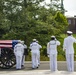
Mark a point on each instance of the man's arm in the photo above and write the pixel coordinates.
(64, 45)
(48, 48)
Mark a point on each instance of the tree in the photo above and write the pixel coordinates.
(25, 19)
(3, 21)
(62, 22)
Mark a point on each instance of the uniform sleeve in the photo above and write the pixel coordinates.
(74, 40)
(64, 45)
(58, 43)
(22, 49)
(40, 46)
(48, 48)
(25, 47)
(14, 49)
(30, 46)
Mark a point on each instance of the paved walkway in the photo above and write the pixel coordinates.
(37, 72)
(42, 70)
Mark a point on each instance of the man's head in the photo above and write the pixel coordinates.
(34, 40)
(52, 37)
(22, 42)
(69, 33)
(19, 41)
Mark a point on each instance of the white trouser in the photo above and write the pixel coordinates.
(39, 58)
(23, 60)
(18, 62)
(70, 62)
(53, 62)
(34, 59)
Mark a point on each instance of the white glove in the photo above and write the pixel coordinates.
(48, 55)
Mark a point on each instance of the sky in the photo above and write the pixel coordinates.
(70, 6)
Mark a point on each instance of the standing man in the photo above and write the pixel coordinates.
(18, 51)
(69, 50)
(34, 46)
(52, 52)
(24, 54)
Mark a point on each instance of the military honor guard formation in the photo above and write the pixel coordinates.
(20, 50)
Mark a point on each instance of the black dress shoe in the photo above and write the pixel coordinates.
(33, 68)
(37, 67)
(38, 64)
(22, 65)
(18, 69)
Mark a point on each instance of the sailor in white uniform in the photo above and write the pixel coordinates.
(18, 51)
(69, 50)
(52, 52)
(34, 46)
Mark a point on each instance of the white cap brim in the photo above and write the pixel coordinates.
(19, 41)
(34, 40)
(52, 36)
(69, 32)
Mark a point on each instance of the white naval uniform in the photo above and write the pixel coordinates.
(52, 51)
(69, 50)
(35, 53)
(18, 50)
